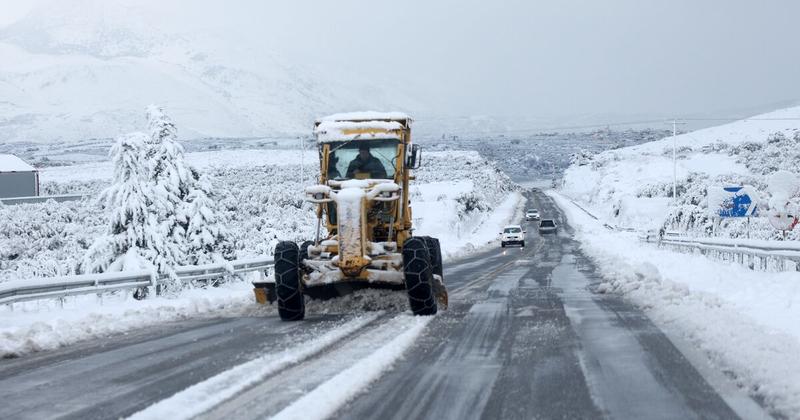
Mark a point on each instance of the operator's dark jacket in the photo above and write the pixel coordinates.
(371, 165)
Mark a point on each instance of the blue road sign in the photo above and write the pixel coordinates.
(737, 203)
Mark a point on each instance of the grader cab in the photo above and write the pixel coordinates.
(363, 202)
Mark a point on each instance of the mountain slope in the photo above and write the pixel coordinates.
(86, 69)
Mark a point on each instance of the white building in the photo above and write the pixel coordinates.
(17, 178)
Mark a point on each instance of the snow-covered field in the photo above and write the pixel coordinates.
(458, 197)
(744, 321)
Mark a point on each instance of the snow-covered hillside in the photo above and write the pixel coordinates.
(632, 187)
(86, 69)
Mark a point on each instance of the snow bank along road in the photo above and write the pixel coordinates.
(524, 338)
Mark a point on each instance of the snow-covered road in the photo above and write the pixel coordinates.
(524, 337)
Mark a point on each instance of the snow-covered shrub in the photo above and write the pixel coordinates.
(680, 151)
(206, 237)
(746, 147)
(89, 187)
(45, 239)
(470, 202)
(779, 152)
(581, 158)
(690, 212)
(716, 147)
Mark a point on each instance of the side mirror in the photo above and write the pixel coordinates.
(415, 157)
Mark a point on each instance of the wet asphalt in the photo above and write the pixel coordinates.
(534, 341)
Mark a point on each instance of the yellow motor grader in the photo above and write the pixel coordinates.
(362, 198)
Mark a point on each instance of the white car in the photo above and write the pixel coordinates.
(532, 214)
(512, 234)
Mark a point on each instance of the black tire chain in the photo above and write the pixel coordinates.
(435, 252)
(291, 303)
(418, 275)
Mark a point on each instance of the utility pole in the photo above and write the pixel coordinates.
(302, 162)
(675, 159)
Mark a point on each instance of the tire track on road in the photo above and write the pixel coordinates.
(205, 395)
(322, 374)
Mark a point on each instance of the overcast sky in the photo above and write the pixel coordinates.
(549, 59)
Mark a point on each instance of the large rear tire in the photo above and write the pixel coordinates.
(439, 289)
(418, 274)
(304, 254)
(435, 252)
(291, 304)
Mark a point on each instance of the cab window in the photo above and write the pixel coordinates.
(374, 159)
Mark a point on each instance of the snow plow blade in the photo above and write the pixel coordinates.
(342, 288)
(265, 292)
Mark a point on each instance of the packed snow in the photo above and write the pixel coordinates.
(203, 396)
(745, 321)
(328, 131)
(49, 324)
(323, 402)
(365, 116)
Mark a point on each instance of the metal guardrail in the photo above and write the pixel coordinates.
(753, 254)
(41, 199)
(59, 287)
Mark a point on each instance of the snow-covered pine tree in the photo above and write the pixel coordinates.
(127, 244)
(207, 239)
(171, 181)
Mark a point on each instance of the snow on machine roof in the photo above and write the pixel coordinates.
(11, 163)
(366, 116)
(367, 125)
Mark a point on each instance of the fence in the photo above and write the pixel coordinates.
(41, 199)
(755, 254)
(59, 287)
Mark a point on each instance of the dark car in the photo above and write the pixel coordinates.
(548, 226)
